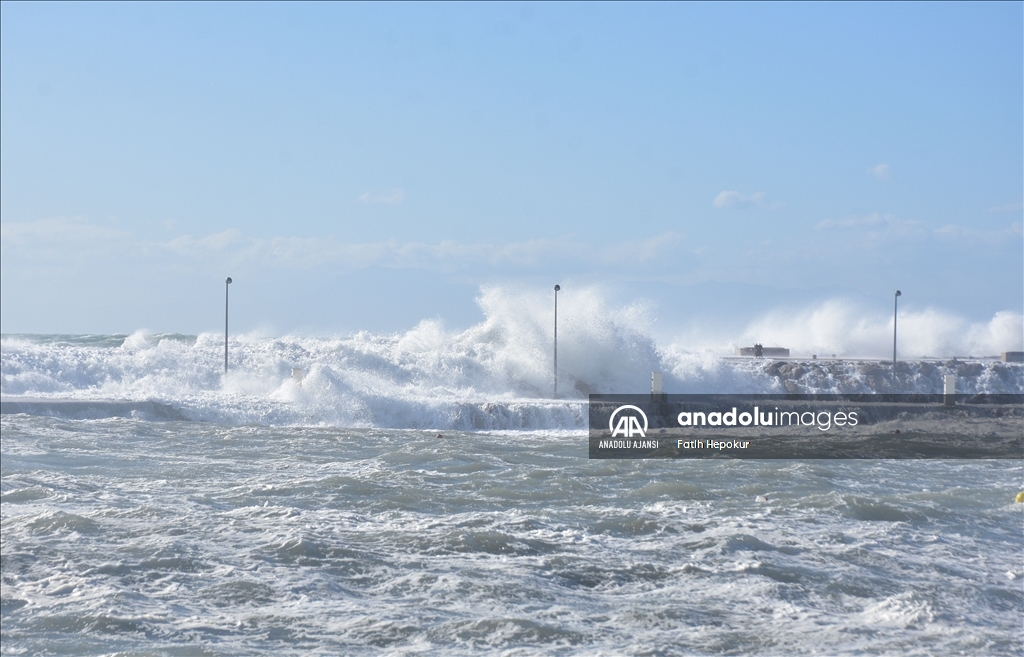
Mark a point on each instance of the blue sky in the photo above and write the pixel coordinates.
(367, 166)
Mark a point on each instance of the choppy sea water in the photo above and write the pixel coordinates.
(133, 537)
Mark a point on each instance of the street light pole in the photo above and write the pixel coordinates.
(226, 284)
(895, 302)
(557, 288)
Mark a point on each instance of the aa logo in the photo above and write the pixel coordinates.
(628, 425)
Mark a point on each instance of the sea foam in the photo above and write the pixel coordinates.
(496, 375)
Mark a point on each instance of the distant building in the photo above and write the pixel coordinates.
(759, 351)
(1013, 356)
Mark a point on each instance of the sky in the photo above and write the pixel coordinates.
(367, 166)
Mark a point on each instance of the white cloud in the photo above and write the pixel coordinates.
(59, 230)
(643, 251)
(968, 234)
(879, 171)
(1016, 206)
(875, 224)
(394, 197)
(309, 253)
(59, 243)
(854, 221)
(734, 199)
(188, 245)
(871, 231)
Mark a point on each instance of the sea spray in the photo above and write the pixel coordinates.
(492, 376)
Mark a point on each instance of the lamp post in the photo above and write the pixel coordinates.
(226, 284)
(557, 288)
(895, 302)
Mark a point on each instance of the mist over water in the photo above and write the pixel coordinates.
(497, 374)
(847, 330)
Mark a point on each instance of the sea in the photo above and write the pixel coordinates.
(424, 493)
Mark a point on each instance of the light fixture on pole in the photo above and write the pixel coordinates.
(226, 284)
(557, 288)
(895, 302)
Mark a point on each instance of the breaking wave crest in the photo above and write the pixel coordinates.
(496, 375)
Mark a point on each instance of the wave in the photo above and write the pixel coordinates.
(495, 375)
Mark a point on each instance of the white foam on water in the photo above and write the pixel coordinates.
(123, 535)
(495, 375)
